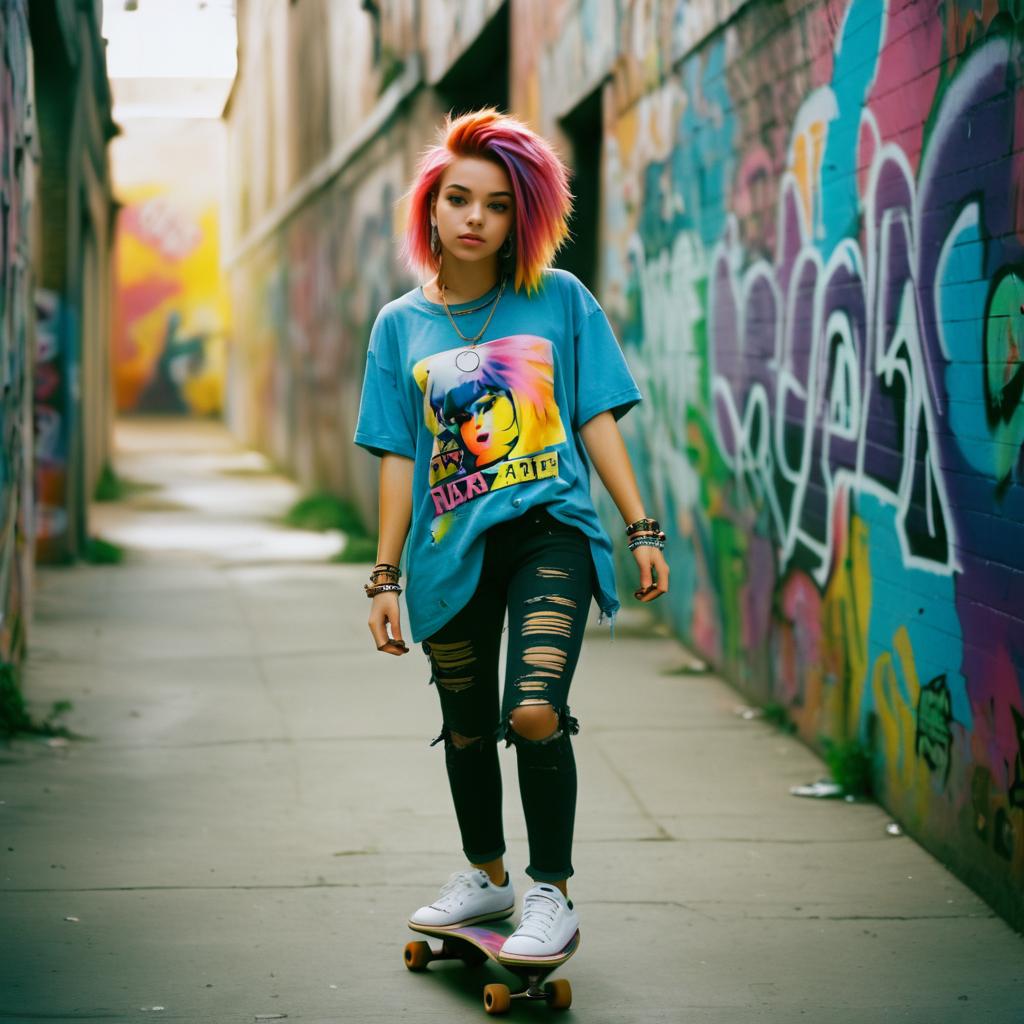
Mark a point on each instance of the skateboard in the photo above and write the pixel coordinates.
(476, 943)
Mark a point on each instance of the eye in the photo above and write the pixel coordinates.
(455, 199)
(499, 207)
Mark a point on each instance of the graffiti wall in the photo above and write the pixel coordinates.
(17, 175)
(811, 243)
(305, 300)
(813, 249)
(170, 304)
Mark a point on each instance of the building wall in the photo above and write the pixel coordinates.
(812, 250)
(18, 155)
(809, 237)
(71, 260)
(314, 214)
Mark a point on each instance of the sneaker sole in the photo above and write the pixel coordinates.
(563, 954)
(497, 916)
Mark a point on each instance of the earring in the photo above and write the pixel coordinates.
(435, 239)
(506, 247)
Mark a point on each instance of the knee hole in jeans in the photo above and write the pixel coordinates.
(534, 720)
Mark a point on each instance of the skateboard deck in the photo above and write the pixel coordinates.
(475, 943)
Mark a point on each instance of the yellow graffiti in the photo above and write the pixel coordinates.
(807, 152)
(907, 776)
(845, 614)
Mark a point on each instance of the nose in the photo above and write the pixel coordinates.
(475, 215)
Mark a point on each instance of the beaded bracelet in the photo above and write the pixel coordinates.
(648, 541)
(643, 526)
(372, 590)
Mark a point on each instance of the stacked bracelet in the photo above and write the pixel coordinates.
(645, 533)
(383, 580)
(643, 526)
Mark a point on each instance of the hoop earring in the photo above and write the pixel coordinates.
(507, 247)
(435, 240)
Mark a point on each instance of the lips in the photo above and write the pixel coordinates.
(470, 238)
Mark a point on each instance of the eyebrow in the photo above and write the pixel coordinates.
(462, 188)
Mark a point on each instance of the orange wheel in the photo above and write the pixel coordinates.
(497, 998)
(417, 955)
(559, 994)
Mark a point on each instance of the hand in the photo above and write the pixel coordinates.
(385, 624)
(653, 574)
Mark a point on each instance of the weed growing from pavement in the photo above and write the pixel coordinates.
(777, 715)
(98, 551)
(326, 511)
(15, 718)
(849, 763)
(111, 487)
(358, 549)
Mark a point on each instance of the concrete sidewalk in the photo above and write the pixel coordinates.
(256, 811)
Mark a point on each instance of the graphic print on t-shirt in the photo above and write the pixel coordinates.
(492, 411)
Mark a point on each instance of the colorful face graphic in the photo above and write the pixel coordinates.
(489, 407)
(492, 429)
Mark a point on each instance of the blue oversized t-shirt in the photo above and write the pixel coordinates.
(493, 429)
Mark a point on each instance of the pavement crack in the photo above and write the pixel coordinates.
(628, 786)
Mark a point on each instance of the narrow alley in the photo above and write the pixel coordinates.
(250, 810)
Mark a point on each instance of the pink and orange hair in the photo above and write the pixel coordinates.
(540, 185)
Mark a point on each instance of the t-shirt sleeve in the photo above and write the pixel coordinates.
(603, 380)
(385, 422)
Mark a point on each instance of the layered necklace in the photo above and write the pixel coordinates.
(468, 360)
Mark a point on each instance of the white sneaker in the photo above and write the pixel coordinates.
(467, 897)
(547, 925)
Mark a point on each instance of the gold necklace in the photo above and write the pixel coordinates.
(480, 333)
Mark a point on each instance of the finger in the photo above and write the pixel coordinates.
(663, 572)
(379, 630)
(644, 562)
(395, 644)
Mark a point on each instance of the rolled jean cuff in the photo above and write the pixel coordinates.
(484, 858)
(548, 876)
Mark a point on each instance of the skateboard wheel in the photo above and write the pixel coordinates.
(417, 955)
(559, 994)
(497, 998)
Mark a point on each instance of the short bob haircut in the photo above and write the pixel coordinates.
(540, 185)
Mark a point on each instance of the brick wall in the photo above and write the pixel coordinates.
(813, 249)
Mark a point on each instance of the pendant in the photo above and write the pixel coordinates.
(468, 360)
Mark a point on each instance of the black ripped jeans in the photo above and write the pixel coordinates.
(539, 570)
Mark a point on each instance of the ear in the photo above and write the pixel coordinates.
(433, 210)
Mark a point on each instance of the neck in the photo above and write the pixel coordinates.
(464, 281)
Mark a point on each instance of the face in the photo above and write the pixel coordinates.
(491, 431)
(473, 209)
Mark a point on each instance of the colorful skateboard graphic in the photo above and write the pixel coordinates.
(473, 944)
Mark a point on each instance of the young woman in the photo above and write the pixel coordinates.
(488, 392)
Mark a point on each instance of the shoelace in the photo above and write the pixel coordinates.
(459, 883)
(539, 914)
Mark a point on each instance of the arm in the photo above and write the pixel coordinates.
(608, 453)
(393, 525)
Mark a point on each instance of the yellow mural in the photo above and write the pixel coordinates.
(171, 305)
